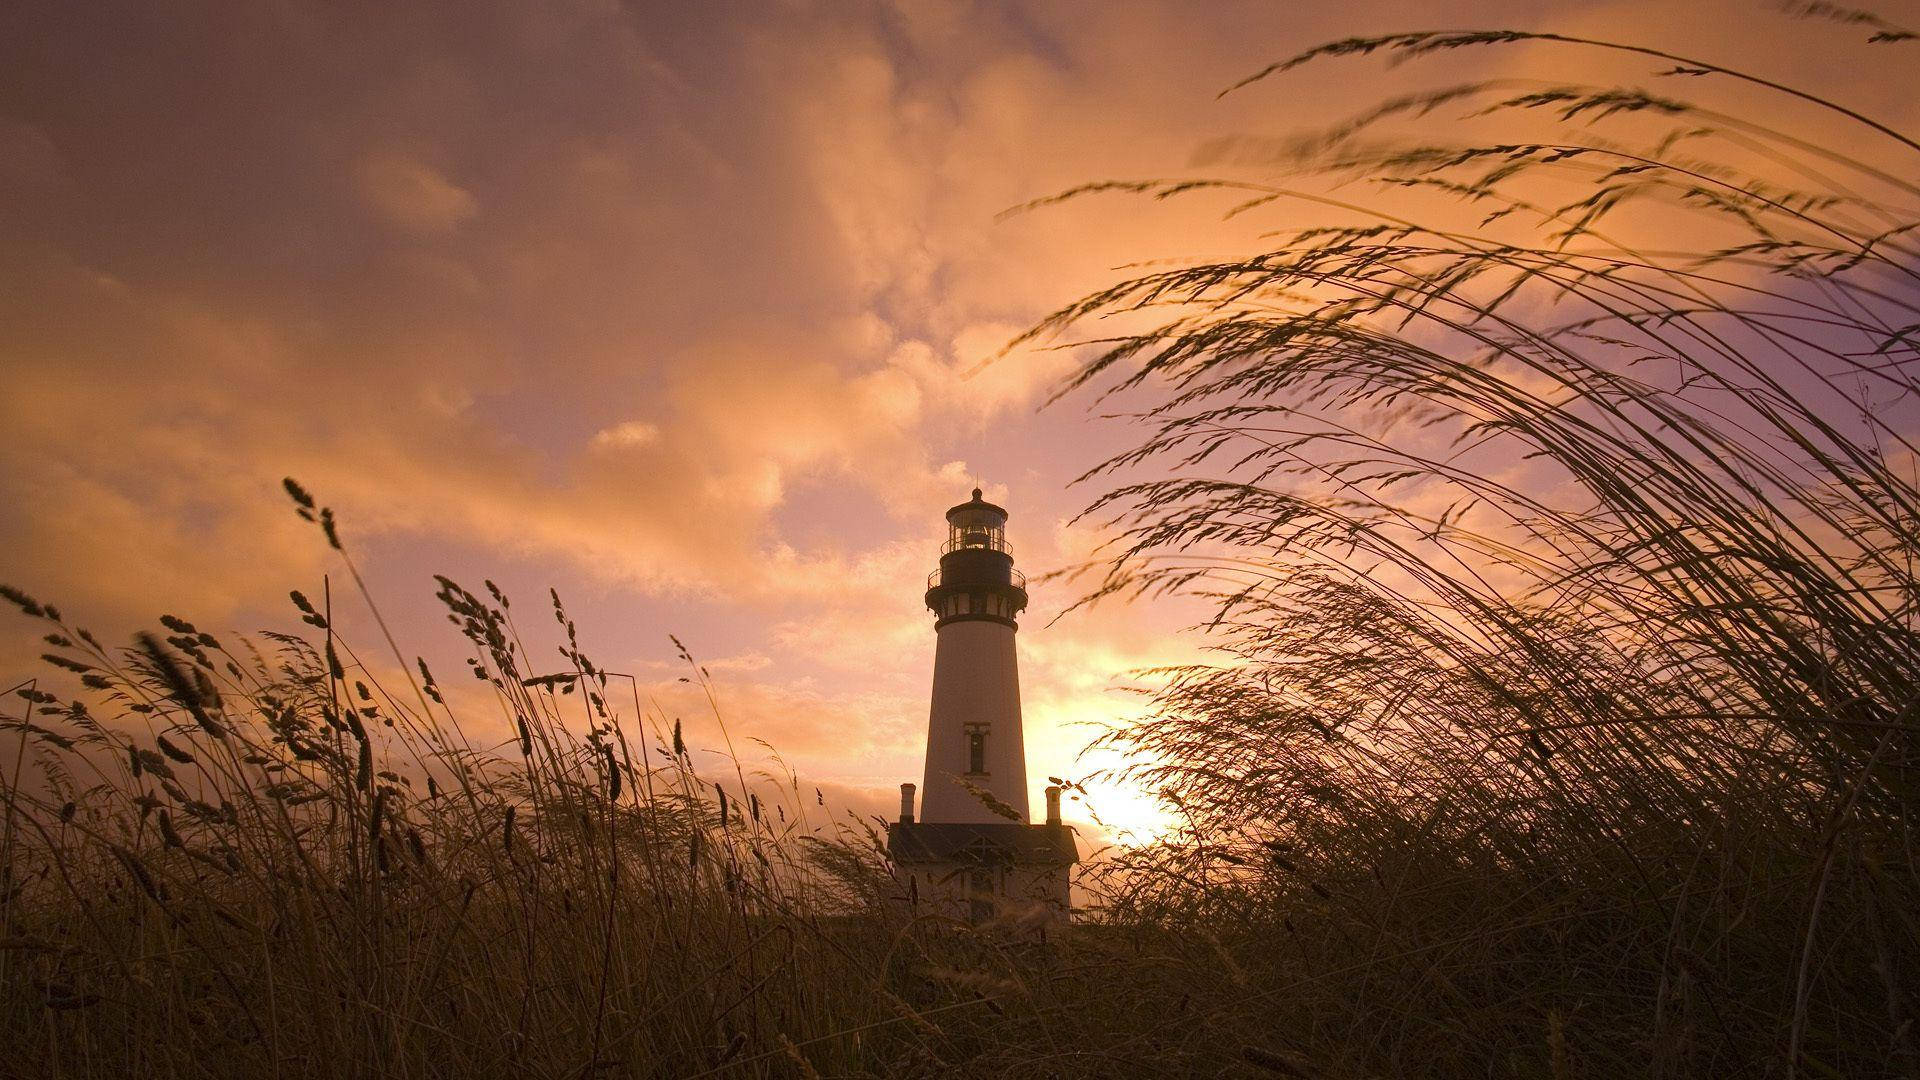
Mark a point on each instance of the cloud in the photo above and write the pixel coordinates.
(411, 195)
(627, 434)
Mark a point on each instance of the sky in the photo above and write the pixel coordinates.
(684, 310)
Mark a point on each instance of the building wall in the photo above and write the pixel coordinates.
(976, 682)
(1009, 892)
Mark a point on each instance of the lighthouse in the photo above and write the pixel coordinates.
(970, 848)
(974, 744)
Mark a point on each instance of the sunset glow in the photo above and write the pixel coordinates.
(685, 315)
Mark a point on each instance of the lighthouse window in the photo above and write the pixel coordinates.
(977, 535)
(976, 752)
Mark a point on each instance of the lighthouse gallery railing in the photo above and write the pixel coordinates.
(1019, 579)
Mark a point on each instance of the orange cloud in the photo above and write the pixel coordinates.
(412, 195)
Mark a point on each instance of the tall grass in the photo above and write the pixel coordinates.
(292, 859)
(1558, 503)
(295, 860)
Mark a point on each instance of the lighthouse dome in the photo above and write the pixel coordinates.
(977, 512)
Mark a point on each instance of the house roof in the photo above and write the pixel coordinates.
(991, 842)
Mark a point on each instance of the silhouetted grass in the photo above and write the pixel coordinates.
(294, 861)
(1558, 498)
(225, 857)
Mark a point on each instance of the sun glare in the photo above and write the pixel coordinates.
(1125, 814)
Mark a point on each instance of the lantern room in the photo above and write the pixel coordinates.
(976, 578)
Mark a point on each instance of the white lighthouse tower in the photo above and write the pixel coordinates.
(974, 742)
(971, 847)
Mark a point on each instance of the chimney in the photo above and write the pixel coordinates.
(1053, 804)
(906, 804)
